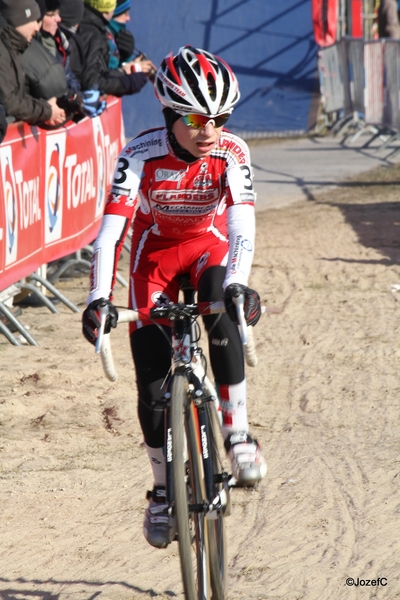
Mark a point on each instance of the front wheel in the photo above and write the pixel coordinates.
(216, 526)
(189, 489)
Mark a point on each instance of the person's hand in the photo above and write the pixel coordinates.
(129, 67)
(143, 66)
(58, 115)
(91, 319)
(252, 304)
(92, 103)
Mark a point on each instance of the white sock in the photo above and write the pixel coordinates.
(157, 461)
(232, 399)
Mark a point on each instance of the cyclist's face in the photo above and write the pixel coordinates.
(199, 142)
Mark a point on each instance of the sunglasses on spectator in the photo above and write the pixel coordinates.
(196, 121)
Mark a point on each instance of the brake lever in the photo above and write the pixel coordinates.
(239, 303)
(103, 312)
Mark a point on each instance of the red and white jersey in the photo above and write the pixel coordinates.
(176, 200)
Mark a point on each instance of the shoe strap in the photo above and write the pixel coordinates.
(239, 437)
(158, 494)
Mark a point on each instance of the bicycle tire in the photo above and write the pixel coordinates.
(189, 488)
(216, 527)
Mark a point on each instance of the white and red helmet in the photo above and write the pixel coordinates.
(196, 81)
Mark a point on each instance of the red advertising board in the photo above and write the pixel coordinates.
(324, 18)
(54, 185)
(357, 18)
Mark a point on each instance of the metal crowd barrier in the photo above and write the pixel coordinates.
(53, 186)
(367, 76)
(331, 83)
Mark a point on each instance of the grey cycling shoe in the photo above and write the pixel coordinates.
(248, 465)
(158, 527)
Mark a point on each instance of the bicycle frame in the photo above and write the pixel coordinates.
(188, 358)
(194, 471)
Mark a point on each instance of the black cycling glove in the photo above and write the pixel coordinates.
(252, 304)
(91, 319)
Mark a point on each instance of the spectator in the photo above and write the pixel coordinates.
(53, 45)
(96, 73)
(55, 40)
(44, 74)
(122, 43)
(3, 122)
(22, 18)
(388, 20)
(71, 13)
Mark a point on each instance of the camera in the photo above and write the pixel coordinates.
(152, 73)
(71, 102)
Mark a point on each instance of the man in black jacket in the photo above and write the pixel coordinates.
(96, 74)
(22, 18)
(3, 122)
(71, 13)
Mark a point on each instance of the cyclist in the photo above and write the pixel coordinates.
(188, 188)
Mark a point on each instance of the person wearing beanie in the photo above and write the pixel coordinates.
(122, 43)
(71, 13)
(123, 6)
(55, 41)
(95, 37)
(121, 40)
(3, 121)
(22, 23)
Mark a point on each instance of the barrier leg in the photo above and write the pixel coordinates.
(372, 139)
(35, 290)
(341, 124)
(121, 280)
(65, 266)
(17, 325)
(7, 333)
(393, 154)
(363, 130)
(55, 291)
(390, 139)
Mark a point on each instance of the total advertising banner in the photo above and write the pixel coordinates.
(54, 185)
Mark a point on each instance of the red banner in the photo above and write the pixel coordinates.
(324, 18)
(357, 18)
(54, 185)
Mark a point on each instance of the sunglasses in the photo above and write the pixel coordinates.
(196, 121)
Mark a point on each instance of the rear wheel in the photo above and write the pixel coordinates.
(189, 488)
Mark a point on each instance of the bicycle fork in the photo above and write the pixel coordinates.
(216, 483)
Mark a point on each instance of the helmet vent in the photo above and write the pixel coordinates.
(211, 87)
(176, 98)
(160, 88)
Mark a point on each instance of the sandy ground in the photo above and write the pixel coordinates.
(324, 403)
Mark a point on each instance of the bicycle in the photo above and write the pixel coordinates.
(197, 485)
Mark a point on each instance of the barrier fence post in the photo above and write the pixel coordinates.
(331, 82)
(374, 97)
